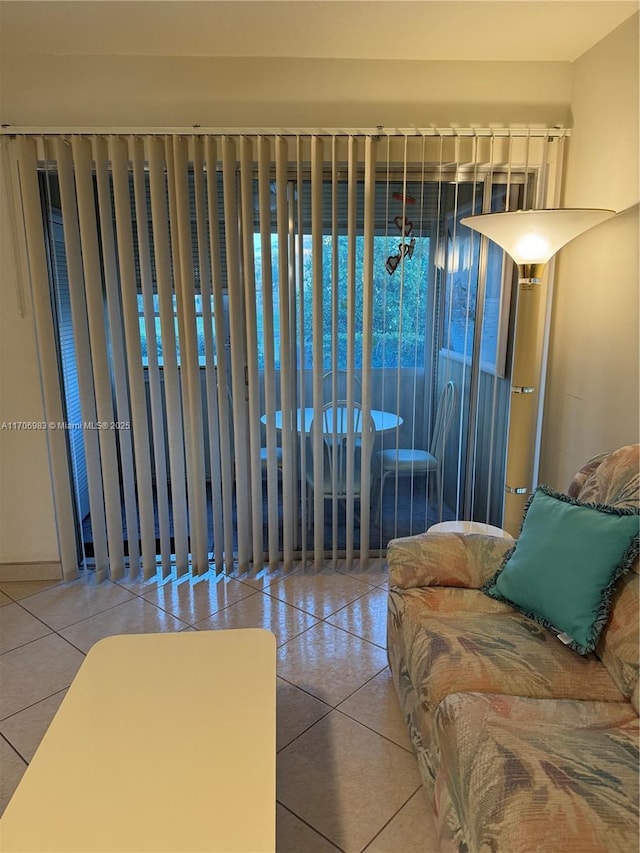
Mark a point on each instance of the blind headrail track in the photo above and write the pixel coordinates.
(380, 131)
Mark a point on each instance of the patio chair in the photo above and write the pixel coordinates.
(263, 449)
(411, 462)
(337, 461)
(339, 378)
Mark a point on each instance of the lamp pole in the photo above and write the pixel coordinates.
(531, 237)
(525, 393)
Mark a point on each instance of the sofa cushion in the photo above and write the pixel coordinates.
(518, 775)
(564, 567)
(474, 648)
(502, 651)
(614, 479)
(610, 478)
(465, 560)
(451, 599)
(619, 643)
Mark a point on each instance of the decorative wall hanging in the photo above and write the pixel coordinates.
(405, 227)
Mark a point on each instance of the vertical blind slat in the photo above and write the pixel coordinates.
(190, 364)
(238, 352)
(153, 373)
(204, 267)
(287, 402)
(176, 378)
(139, 423)
(24, 150)
(253, 379)
(293, 289)
(83, 172)
(476, 312)
(352, 209)
(367, 324)
(336, 294)
(225, 447)
(300, 319)
(437, 308)
(117, 353)
(264, 201)
(318, 352)
(83, 355)
(402, 321)
(173, 404)
(421, 386)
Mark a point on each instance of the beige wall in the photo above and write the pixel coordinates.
(27, 528)
(172, 91)
(592, 400)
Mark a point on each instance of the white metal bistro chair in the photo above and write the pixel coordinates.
(263, 450)
(334, 386)
(337, 460)
(411, 462)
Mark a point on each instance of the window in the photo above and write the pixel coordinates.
(461, 285)
(458, 261)
(156, 337)
(399, 303)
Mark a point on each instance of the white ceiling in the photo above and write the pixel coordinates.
(543, 30)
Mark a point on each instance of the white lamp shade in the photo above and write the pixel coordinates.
(534, 236)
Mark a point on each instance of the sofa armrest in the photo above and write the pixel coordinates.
(445, 559)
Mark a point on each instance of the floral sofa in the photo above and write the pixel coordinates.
(523, 744)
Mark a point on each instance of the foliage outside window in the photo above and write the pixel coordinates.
(399, 303)
(157, 339)
(459, 266)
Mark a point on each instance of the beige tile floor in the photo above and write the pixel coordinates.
(347, 778)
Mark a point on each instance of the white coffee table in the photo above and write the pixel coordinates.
(164, 742)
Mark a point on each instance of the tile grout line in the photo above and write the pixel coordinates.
(295, 636)
(52, 632)
(303, 690)
(190, 624)
(364, 683)
(37, 618)
(228, 606)
(306, 823)
(295, 606)
(32, 705)
(337, 628)
(347, 631)
(309, 727)
(31, 594)
(84, 618)
(375, 732)
(346, 604)
(329, 615)
(113, 607)
(11, 746)
(73, 645)
(351, 633)
(382, 828)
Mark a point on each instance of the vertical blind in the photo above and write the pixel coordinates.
(216, 285)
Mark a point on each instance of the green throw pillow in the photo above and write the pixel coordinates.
(563, 568)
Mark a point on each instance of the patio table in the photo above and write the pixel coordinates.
(384, 421)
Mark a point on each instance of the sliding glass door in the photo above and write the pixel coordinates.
(210, 296)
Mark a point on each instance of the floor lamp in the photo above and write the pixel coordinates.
(531, 238)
